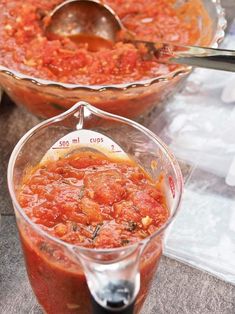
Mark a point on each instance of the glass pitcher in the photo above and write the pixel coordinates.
(71, 279)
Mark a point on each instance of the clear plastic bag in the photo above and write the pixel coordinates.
(199, 126)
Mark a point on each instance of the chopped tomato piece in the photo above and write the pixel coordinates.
(91, 210)
(126, 211)
(107, 186)
(147, 205)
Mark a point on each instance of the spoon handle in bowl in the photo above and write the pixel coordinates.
(203, 57)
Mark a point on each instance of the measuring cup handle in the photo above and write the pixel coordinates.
(98, 309)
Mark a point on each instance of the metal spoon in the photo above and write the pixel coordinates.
(97, 24)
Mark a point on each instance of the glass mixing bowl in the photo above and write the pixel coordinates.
(47, 98)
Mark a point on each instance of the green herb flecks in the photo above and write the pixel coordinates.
(74, 226)
(131, 225)
(45, 247)
(125, 241)
(97, 230)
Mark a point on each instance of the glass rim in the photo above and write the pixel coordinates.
(182, 70)
(171, 158)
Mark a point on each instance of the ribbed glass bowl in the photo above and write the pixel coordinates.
(47, 98)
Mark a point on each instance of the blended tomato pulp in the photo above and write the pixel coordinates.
(91, 201)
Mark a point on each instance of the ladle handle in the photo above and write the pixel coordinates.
(211, 58)
(98, 309)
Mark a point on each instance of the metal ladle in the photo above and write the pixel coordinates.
(97, 24)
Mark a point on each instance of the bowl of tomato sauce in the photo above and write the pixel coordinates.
(93, 194)
(48, 76)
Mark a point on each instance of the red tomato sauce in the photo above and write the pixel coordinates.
(91, 201)
(87, 200)
(25, 47)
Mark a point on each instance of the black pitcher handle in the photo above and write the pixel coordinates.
(115, 298)
(98, 309)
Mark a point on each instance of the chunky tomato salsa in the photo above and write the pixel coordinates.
(25, 47)
(91, 201)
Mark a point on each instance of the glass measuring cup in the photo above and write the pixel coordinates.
(70, 279)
